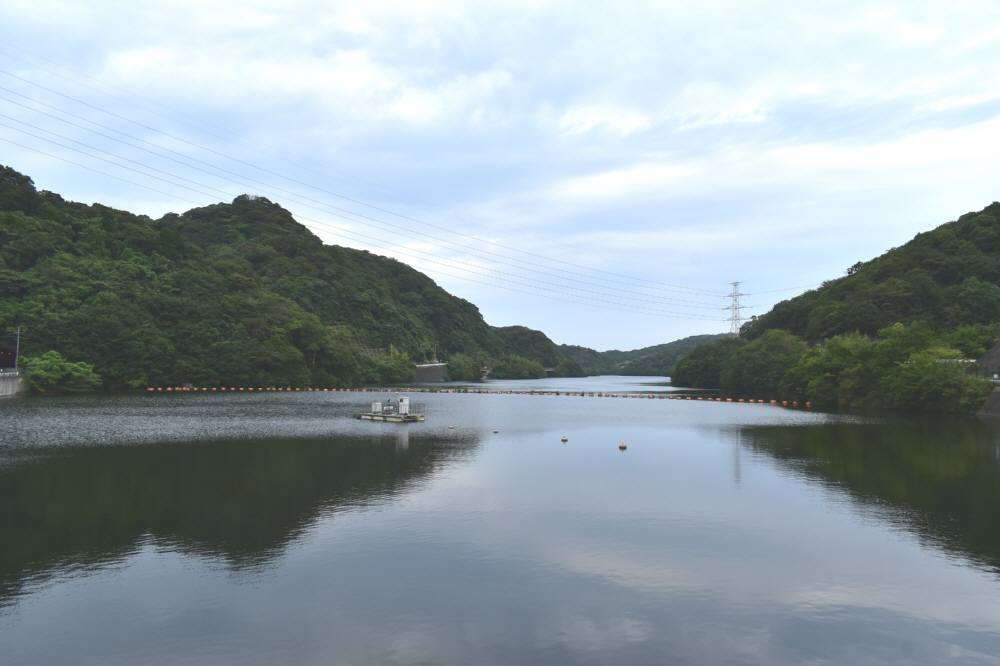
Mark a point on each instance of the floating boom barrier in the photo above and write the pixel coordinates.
(791, 404)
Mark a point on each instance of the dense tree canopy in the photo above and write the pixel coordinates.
(904, 367)
(236, 293)
(757, 367)
(946, 277)
(50, 373)
(463, 367)
(513, 366)
(702, 368)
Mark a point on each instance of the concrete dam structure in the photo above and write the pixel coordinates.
(10, 383)
(427, 373)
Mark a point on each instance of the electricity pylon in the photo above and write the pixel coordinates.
(735, 309)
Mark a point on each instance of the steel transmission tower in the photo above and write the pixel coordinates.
(735, 316)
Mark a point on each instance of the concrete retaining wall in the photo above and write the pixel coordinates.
(10, 385)
(431, 372)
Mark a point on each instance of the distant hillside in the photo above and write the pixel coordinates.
(946, 277)
(657, 361)
(592, 361)
(236, 293)
(531, 344)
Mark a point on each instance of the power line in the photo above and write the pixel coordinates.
(735, 308)
(775, 291)
(522, 265)
(84, 166)
(344, 197)
(121, 93)
(141, 171)
(111, 162)
(325, 208)
(214, 131)
(197, 123)
(149, 104)
(548, 293)
(422, 256)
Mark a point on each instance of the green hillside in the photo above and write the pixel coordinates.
(897, 332)
(594, 362)
(236, 293)
(946, 277)
(655, 361)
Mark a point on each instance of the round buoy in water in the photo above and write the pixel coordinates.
(495, 431)
(564, 439)
(451, 427)
(622, 446)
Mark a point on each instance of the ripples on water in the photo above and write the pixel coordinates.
(276, 528)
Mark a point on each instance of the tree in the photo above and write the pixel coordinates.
(50, 373)
(907, 368)
(979, 301)
(17, 192)
(974, 340)
(839, 374)
(702, 368)
(758, 367)
(395, 367)
(934, 380)
(569, 368)
(464, 368)
(517, 367)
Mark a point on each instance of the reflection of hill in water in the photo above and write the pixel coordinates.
(937, 479)
(244, 501)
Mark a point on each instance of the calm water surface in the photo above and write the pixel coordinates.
(261, 529)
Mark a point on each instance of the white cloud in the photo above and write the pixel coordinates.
(961, 101)
(350, 85)
(703, 104)
(656, 179)
(939, 149)
(583, 119)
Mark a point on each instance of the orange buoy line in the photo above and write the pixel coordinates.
(793, 404)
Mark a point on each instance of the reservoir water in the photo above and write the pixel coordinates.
(275, 528)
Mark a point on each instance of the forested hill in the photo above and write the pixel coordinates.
(897, 332)
(236, 293)
(945, 278)
(658, 360)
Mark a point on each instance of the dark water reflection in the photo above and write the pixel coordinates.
(939, 479)
(275, 529)
(241, 501)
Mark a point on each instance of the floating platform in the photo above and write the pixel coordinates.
(394, 411)
(391, 418)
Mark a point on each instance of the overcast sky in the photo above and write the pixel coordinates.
(598, 172)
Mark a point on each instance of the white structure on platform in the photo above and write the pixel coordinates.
(399, 411)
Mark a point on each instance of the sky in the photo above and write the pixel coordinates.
(599, 171)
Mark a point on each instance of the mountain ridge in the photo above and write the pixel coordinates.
(232, 293)
(945, 276)
(654, 360)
